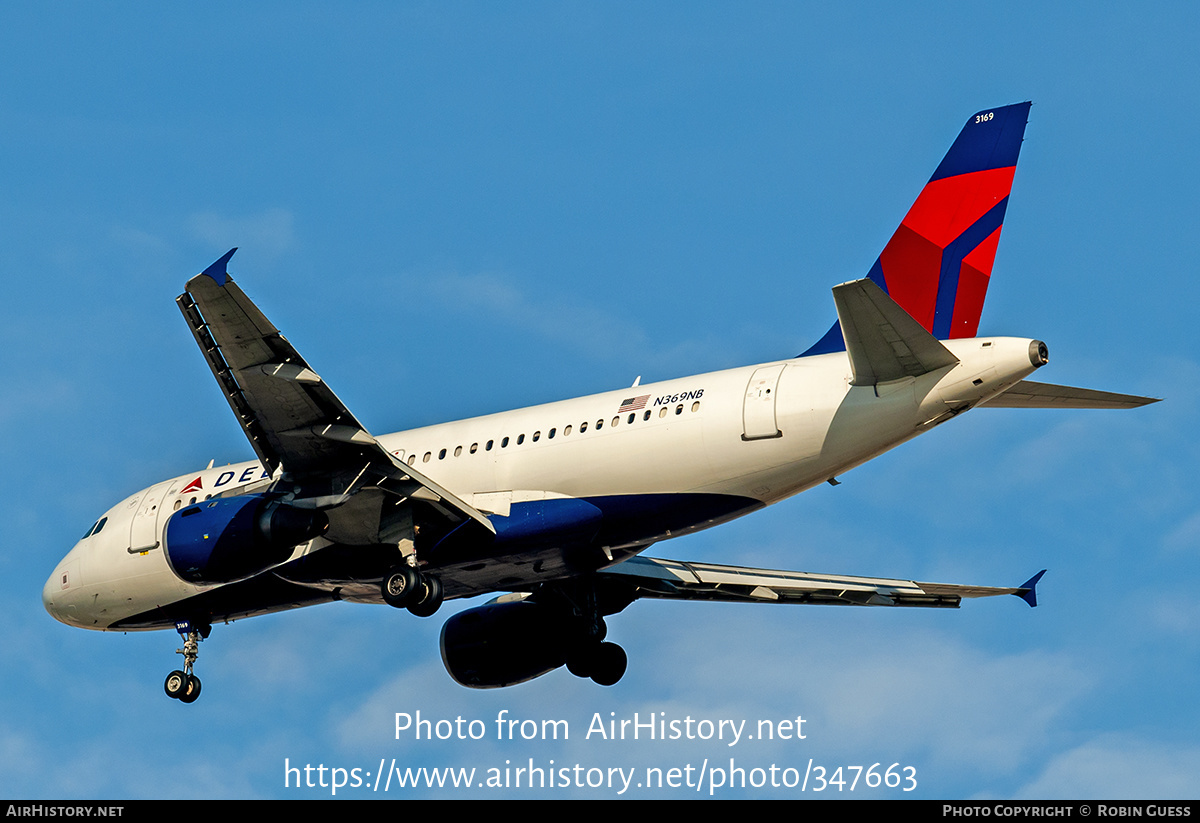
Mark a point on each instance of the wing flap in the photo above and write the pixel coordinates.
(675, 580)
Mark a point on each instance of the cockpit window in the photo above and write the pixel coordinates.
(95, 529)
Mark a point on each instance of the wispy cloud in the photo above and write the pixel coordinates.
(567, 321)
(1119, 766)
(271, 231)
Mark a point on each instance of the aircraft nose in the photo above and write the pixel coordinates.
(54, 596)
(48, 593)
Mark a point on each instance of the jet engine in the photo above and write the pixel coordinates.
(231, 538)
(501, 644)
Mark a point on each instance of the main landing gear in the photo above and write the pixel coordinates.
(604, 663)
(406, 588)
(590, 656)
(183, 685)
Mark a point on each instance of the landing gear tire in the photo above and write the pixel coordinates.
(192, 692)
(427, 598)
(608, 664)
(400, 586)
(183, 685)
(581, 661)
(176, 685)
(604, 663)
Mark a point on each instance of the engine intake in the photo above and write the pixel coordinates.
(232, 538)
(500, 644)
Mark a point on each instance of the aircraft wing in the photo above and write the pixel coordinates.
(290, 415)
(675, 580)
(1030, 395)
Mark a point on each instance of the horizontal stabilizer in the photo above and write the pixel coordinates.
(883, 340)
(674, 580)
(1030, 395)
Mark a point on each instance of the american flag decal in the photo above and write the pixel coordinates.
(633, 403)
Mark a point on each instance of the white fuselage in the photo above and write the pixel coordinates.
(759, 433)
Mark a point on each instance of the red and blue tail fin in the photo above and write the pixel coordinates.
(937, 264)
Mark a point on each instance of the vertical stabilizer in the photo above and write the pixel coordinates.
(938, 262)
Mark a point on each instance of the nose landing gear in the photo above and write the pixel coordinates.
(183, 685)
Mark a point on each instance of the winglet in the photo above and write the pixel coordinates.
(1027, 591)
(217, 270)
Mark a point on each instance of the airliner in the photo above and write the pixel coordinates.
(551, 507)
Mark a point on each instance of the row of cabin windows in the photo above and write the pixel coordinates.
(537, 435)
(179, 502)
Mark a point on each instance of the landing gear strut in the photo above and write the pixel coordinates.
(590, 656)
(405, 587)
(183, 685)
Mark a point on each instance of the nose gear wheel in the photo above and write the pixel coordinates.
(184, 686)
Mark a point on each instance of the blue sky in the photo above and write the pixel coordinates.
(454, 209)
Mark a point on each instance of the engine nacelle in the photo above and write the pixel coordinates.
(501, 644)
(231, 538)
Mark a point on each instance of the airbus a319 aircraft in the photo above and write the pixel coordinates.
(552, 506)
